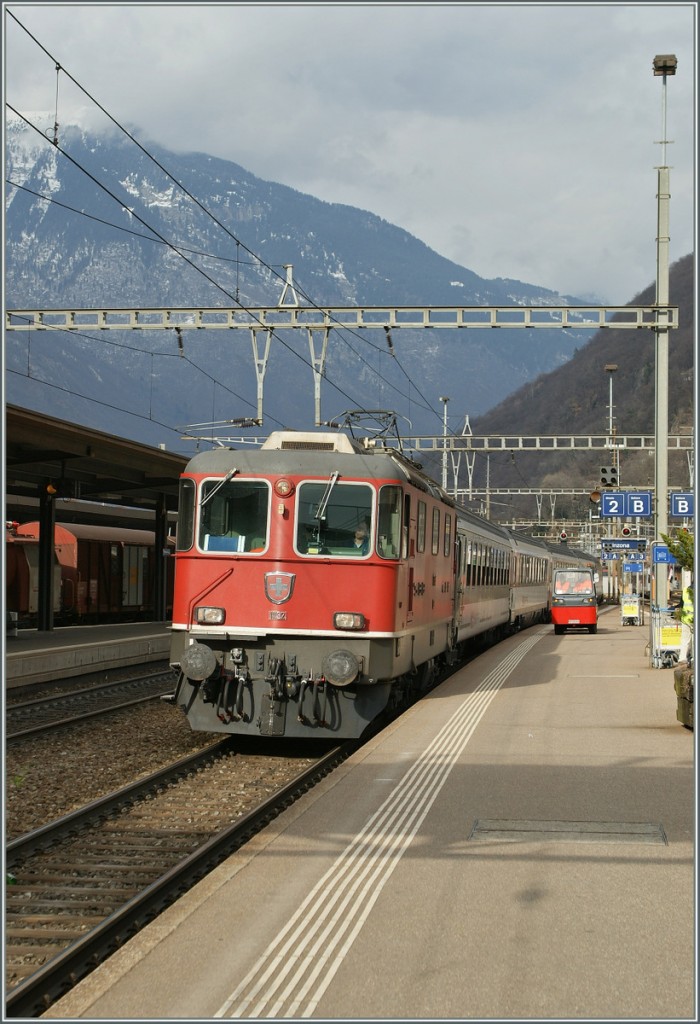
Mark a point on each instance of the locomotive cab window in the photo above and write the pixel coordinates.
(234, 516)
(334, 518)
(389, 522)
(573, 581)
(185, 516)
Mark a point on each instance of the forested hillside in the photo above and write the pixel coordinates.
(574, 399)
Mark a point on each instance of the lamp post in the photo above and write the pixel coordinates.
(664, 65)
(445, 400)
(610, 368)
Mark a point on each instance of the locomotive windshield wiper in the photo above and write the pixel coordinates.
(321, 510)
(231, 473)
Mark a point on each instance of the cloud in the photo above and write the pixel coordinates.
(518, 140)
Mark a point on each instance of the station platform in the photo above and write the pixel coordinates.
(37, 657)
(519, 845)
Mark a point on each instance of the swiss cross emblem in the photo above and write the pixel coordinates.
(279, 586)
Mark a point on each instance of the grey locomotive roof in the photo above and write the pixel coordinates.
(317, 454)
(294, 462)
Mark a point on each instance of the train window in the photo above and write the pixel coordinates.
(436, 531)
(334, 518)
(448, 535)
(573, 581)
(420, 535)
(389, 522)
(185, 516)
(468, 565)
(234, 515)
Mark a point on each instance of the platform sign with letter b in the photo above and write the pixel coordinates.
(682, 504)
(638, 503)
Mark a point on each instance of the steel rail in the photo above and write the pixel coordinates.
(36, 994)
(48, 704)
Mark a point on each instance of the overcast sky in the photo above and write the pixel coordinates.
(519, 140)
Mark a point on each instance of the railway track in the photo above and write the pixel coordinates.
(81, 886)
(30, 717)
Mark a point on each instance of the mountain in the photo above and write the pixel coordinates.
(119, 232)
(575, 399)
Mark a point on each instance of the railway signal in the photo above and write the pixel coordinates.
(608, 476)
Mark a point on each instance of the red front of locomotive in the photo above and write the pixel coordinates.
(287, 576)
(286, 603)
(574, 599)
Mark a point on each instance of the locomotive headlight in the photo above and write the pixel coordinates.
(210, 616)
(349, 620)
(198, 662)
(340, 668)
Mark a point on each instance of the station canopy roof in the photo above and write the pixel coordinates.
(97, 478)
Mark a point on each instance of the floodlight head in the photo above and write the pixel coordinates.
(665, 64)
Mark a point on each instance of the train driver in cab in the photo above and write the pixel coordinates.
(361, 540)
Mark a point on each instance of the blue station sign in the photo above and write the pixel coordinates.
(683, 505)
(661, 555)
(612, 503)
(618, 544)
(626, 503)
(638, 503)
(633, 566)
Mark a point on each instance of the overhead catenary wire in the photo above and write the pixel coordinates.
(224, 259)
(149, 352)
(176, 250)
(128, 231)
(204, 209)
(173, 247)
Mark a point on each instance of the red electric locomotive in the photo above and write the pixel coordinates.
(296, 606)
(574, 599)
(321, 579)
